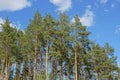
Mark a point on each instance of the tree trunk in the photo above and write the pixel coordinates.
(7, 62)
(52, 70)
(30, 71)
(35, 61)
(61, 71)
(3, 68)
(17, 77)
(47, 50)
(39, 58)
(7, 71)
(76, 67)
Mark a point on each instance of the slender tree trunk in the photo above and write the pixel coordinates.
(76, 67)
(35, 63)
(47, 50)
(17, 77)
(3, 68)
(30, 71)
(24, 72)
(7, 71)
(61, 58)
(7, 66)
(53, 68)
(61, 71)
(40, 61)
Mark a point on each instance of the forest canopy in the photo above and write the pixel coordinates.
(50, 49)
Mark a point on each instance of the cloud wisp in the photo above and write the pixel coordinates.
(63, 5)
(14, 5)
(87, 19)
(103, 1)
(117, 31)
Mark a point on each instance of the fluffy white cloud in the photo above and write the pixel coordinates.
(14, 5)
(103, 1)
(87, 19)
(63, 5)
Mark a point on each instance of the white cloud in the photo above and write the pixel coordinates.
(63, 5)
(87, 19)
(103, 1)
(14, 5)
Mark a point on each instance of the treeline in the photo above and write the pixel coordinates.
(50, 49)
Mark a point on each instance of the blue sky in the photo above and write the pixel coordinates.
(102, 17)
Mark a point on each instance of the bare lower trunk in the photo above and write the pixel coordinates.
(35, 63)
(47, 46)
(24, 72)
(39, 59)
(30, 72)
(61, 72)
(7, 71)
(3, 68)
(53, 72)
(41, 63)
(76, 67)
(17, 77)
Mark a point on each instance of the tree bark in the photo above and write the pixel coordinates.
(30, 71)
(76, 67)
(61, 71)
(40, 62)
(7, 71)
(3, 68)
(47, 50)
(35, 61)
(17, 77)
(53, 68)
(7, 62)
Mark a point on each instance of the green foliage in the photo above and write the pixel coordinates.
(64, 40)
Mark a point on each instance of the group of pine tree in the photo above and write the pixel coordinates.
(54, 49)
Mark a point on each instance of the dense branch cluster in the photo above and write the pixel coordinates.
(51, 49)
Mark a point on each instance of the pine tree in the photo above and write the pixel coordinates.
(8, 43)
(48, 32)
(54, 49)
(33, 32)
